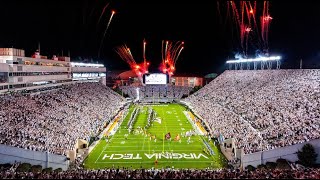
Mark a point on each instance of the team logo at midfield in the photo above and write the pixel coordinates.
(154, 155)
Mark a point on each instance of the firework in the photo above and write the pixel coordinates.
(243, 15)
(126, 55)
(104, 34)
(170, 56)
(265, 24)
(104, 9)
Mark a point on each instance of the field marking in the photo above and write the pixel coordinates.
(184, 145)
(104, 148)
(180, 150)
(143, 162)
(144, 139)
(165, 125)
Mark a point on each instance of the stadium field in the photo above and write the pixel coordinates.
(141, 149)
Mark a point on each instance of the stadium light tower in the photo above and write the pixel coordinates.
(263, 61)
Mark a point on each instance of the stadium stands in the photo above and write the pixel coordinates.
(52, 121)
(158, 92)
(263, 109)
(262, 173)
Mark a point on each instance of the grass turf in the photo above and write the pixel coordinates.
(137, 150)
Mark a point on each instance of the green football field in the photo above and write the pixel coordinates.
(138, 151)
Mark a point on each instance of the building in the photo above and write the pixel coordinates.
(125, 78)
(190, 80)
(18, 72)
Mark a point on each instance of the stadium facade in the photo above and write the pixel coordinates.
(18, 72)
(125, 78)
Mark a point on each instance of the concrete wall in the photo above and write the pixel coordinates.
(9, 154)
(27, 79)
(288, 152)
(227, 150)
(4, 67)
(38, 68)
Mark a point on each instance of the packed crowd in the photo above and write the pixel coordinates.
(52, 121)
(310, 173)
(156, 91)
(262, 109)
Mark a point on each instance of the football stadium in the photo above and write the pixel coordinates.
(157, 136)
(143, 96)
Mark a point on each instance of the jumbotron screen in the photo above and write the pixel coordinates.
(155, 78)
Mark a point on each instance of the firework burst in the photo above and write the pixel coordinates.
(244, 15)
(126, 55)
(170, 56)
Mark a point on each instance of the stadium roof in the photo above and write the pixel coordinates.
(126, 74)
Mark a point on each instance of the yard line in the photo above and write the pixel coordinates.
(180, 150)
(103, 148)
(183, 145)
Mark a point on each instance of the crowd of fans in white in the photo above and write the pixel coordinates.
(262, 109)
(52, 121)
(156, 91)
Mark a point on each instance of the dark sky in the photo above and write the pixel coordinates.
(72, 25)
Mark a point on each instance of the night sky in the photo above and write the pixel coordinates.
(66, 25)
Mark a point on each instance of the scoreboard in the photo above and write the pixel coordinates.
(156, 78)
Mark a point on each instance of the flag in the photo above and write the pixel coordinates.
(177, 138)
(168, 136)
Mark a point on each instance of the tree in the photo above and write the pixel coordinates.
(307, 156)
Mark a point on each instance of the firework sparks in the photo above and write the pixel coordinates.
(244, 15)
(170, 56)
(265, 25)
(104, 9)
(126, 55)
(104, 34)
